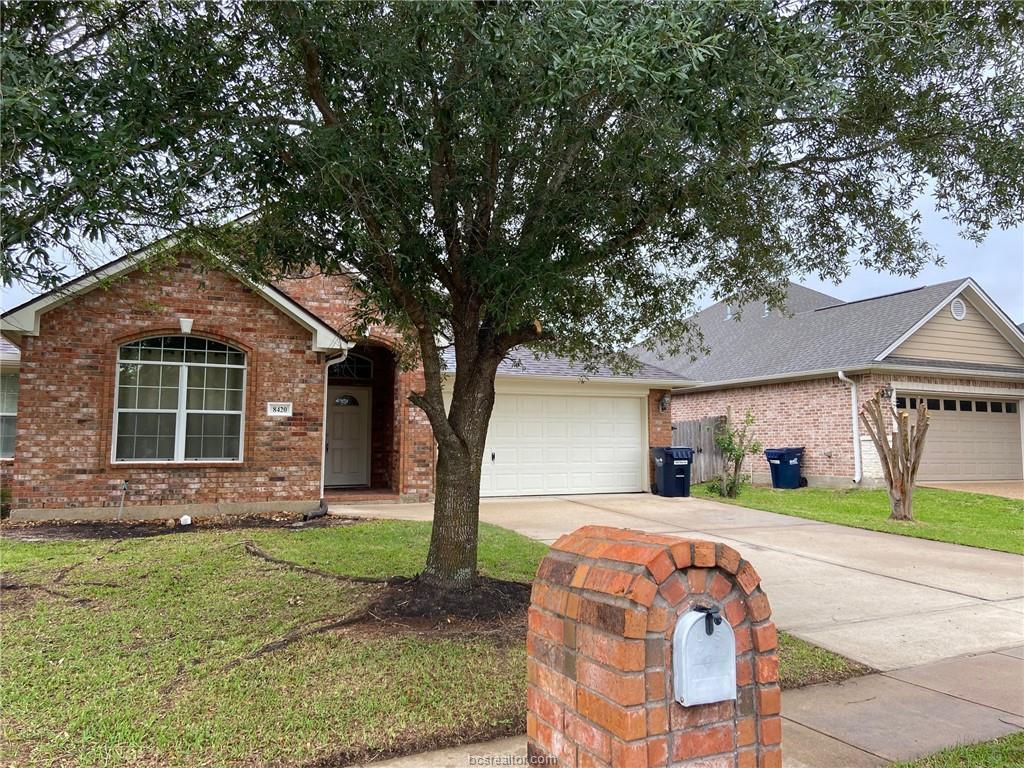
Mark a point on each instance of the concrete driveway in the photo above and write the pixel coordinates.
(886, 601)
(1010, 489)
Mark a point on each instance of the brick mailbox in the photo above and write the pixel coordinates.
(651, 650)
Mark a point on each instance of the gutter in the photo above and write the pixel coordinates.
(855, 420)
(824, 373)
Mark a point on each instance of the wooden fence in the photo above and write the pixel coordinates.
(700, 435)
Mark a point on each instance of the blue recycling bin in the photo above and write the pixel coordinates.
(672, 467)
(784, 464)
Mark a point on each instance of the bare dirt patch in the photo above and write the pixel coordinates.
(77, 530)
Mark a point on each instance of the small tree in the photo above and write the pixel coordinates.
(900, 454)
(736, 443)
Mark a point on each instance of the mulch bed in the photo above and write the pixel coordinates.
(413, 599)
(78, 530)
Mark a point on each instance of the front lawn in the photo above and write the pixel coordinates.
(160, 651)
(973, 519)
(138, 652)
(1007, 752)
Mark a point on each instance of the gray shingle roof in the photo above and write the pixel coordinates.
(523, 362)
(818, 333)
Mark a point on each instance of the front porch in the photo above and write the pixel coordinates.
(362, 444)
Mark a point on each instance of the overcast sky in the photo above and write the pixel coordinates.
(997, 265)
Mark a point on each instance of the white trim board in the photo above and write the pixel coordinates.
(913, 386)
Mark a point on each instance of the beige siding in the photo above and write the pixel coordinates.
(971, 340)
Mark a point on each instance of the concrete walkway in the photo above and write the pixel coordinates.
(888, 601)
(1010, 489)
(862, 723)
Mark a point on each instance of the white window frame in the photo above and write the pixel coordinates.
(181, 412)
(13, 413)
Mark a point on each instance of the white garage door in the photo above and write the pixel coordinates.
(553, 444)
(970, 439)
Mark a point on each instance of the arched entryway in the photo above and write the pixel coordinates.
(361, 439)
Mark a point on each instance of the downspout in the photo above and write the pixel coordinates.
(323, 423)
(855, 421)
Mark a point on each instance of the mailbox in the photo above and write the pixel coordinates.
(703, 658)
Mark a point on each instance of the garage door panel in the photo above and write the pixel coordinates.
(551, 444)
(972, 445)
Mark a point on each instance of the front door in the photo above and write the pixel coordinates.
(348, 436)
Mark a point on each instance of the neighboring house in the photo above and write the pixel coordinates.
(171, 389)
(803, 373)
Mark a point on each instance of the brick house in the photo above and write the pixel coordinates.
(804, 372)
(150, 388)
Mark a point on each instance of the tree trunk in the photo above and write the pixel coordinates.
(901, 503)
(452, 557)
(900, 453)
(451, 560)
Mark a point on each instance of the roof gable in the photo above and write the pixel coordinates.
(982, 335)
(23, 320)
(827, 336)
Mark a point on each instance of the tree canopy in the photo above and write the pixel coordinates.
(565, 175)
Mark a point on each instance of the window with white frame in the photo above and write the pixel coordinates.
(179, 398)
(8, 413)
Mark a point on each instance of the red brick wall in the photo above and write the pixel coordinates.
(659, 426)
(333, 299)
(417, 456)
(65, 410)
(814, 414)
(599, 655)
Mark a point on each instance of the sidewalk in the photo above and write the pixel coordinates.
(862, 723)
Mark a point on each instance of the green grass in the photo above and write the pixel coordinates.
(801, 663)
(137, 656)
(137, 675)
(1006, 752)
(973, 519)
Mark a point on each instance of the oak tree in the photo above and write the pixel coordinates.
(569, 176)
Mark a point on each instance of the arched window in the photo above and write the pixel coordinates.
(352, 367)
(179, 398)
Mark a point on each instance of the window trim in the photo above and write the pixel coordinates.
(13, 414)
(181, 412)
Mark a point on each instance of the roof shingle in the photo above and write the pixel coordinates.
(521, 361)
(818, 332)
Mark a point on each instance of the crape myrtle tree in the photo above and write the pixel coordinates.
(566, 176)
